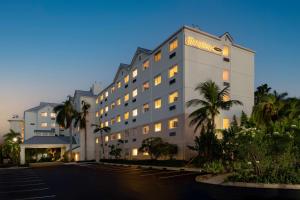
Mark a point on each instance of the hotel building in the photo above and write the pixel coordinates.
(147, 97)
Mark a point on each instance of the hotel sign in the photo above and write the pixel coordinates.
(200, 44)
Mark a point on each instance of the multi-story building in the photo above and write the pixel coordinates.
(17, 125)
(147, 97)
(41, 121)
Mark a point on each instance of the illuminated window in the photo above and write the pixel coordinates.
(112, 121)
(52, 115)
(157, 127)
(126, 116)
(118, 118)
(112, 89)
(134, 93)
(106, 94)
(53, 125)
(112, 106)
(135, 112)
(97, 114)
(146, 129)
(126, 79)
(106, 108)
(118, 101)
(44, 114)
(146, 86)
(101, 97)
(145, 154)
(157, 104)
(101, 111)
(106, 138)
(173, 45)
(146, 64)
(134, 152)
(44, 124)
(146, 107)
(226, 97)
(126, 97)
(226, 123)
(173, 71)
(173, 97)
(97, 101)
(225, 51)
(101, 124)
(119, 136)
(173, 123)
(119, 84)
(97, 140)
(106, 124)
(157, 56)
(134, 73)
(157, 80)
(225, 75)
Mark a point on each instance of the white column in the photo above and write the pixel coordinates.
(22, 155)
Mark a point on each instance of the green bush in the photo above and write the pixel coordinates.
(214, 167)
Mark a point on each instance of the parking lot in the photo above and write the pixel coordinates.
(98, 181)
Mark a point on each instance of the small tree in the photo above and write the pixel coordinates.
(115, 151)
(170, 150)
(152, 146)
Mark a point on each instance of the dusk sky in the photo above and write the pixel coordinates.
(50, 48)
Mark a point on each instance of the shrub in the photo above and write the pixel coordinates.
(214, 167)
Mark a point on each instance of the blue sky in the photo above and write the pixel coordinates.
(49, 48)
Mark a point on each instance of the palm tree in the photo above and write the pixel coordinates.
(81, 120)
(11, 146)
(101, 130)
(260, 92)
(65, 116)
(209, 107)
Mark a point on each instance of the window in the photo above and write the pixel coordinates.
(226, 97)
(146, 86)
(106, 124)
(97, 101)
(126, 97)
(101, 111)
(134, 93)
(173, 45)
(134, 73)
(101, 97)
(106, 94)
(126, 79)
(157, 56)
(44, 124)
(226, 123)
(146, 64)
(112, 106)
(173, 123)
(225, 75)
(97, 114)
(157, 104)
(53, 125)
(112, 121)
(106, 108)
(118, 118)
(134, 152)
(44, 114)
(135, 112)
(157, 80)
(118, 101)
(173, 71)
(112, 89)
(113, 137)
(146, 107)
(119, 136)
(126, 116)
(173, 97)
(101, 124)
(119, 84)
(52, 115)
(97, 140)
(225, 51)
(157, 127)
(146, 129)
(106, 138)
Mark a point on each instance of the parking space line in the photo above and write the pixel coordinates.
(22, 181)
(22, 178)
(23, 185)
(29, 190)
(39, 197)
(177, 175)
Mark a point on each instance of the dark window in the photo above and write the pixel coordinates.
(134, 120)
(126, 104)
(172, 81)
(126, 86)
(226, 59)
(100, 116)
(172, 55)
(172, 133)
(105, 99)
(126, 141)
(172, 107)
(226, 84)
(101, 102)
(133, 100)
(105, 114)
(126, 122)
(134, 139)
(134, 80)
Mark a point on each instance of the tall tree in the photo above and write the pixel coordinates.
(260, 92)
(11, 146)
(101, 130)
(81, 121)
(214, 99)
(65, 116)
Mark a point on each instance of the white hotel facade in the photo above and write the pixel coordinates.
(147, 97)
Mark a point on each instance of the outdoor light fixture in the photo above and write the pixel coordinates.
(15, 139)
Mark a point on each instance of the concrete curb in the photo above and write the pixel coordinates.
(155, 167)
(45, 164)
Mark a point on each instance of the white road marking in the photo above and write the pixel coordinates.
(29, 190)
(39, 197)
(23, 185)
(22, 181)
(166, 177)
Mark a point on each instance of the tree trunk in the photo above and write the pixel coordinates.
(71, 143)
(85, 144)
